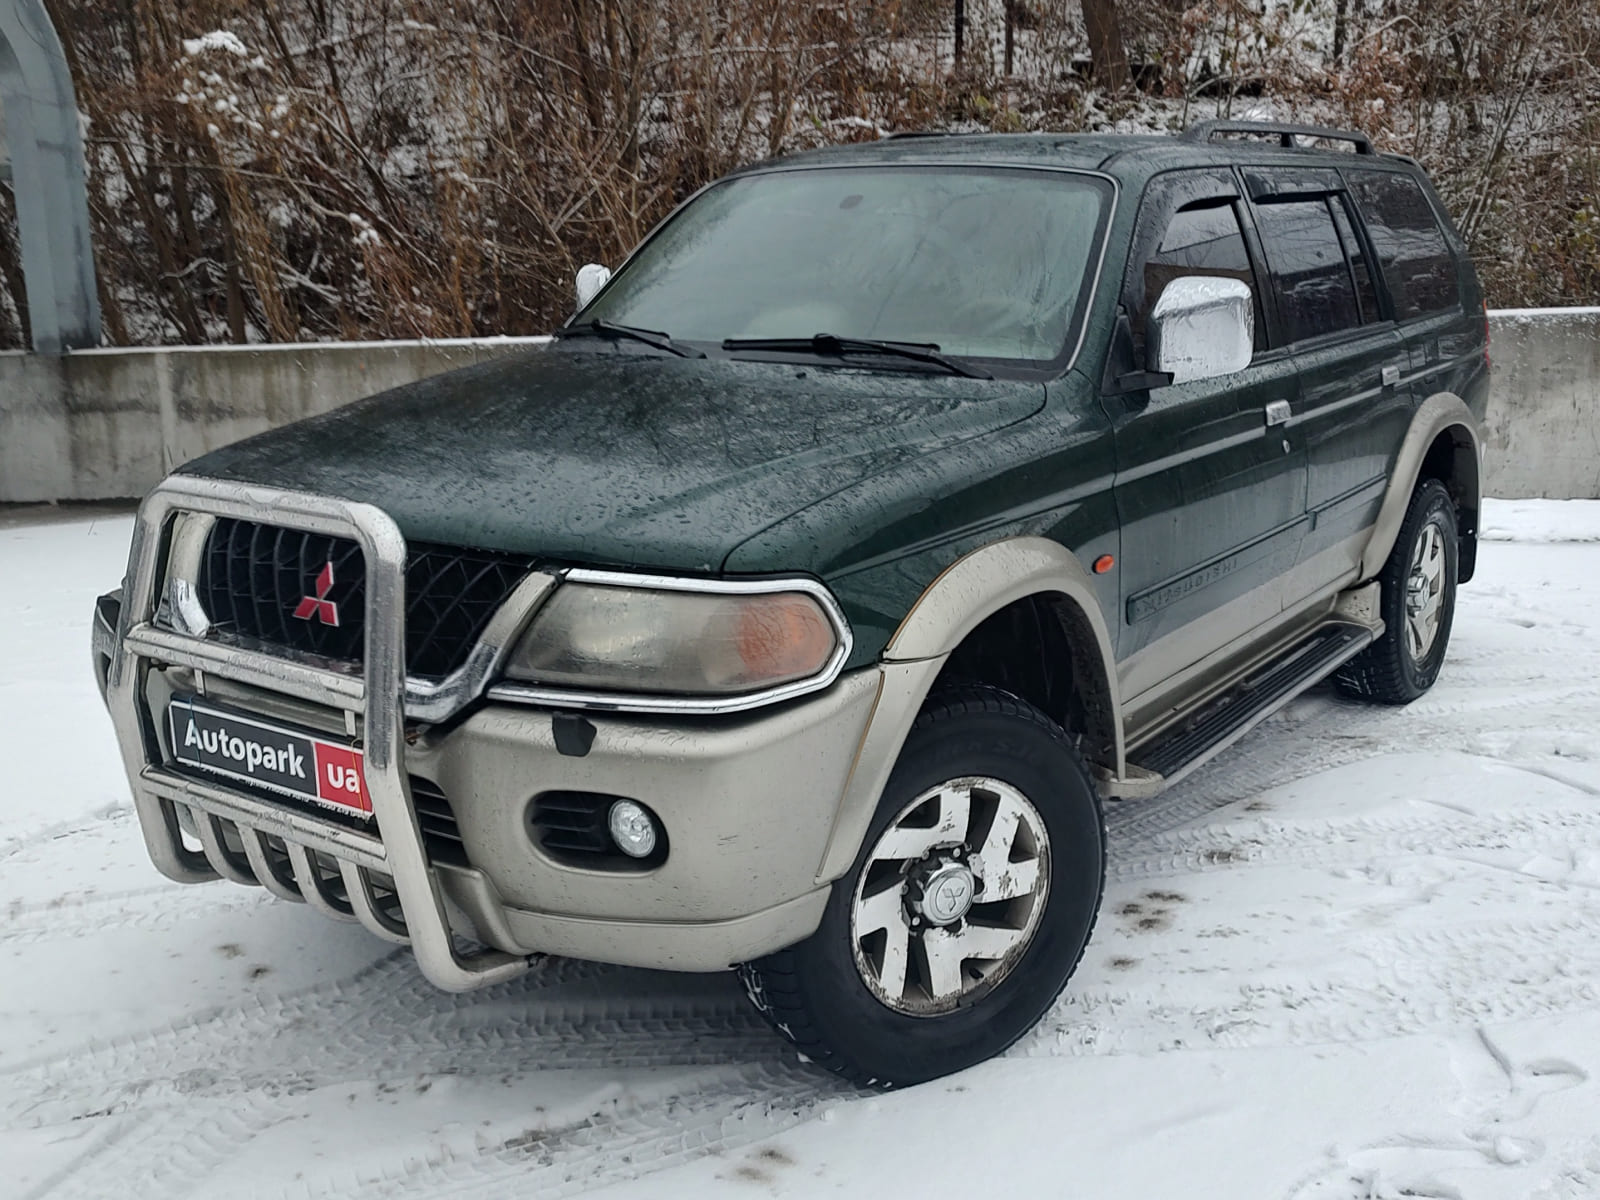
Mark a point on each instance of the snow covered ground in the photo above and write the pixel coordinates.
(1357, 956)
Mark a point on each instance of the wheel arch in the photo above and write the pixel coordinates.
(1442, 443)
(984, 585)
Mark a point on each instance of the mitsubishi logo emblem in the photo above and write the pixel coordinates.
(319, 606)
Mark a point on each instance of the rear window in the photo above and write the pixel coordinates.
(1316, 294)
(1411, 248)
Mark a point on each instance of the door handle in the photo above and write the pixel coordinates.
(1391, 376)
(1278, 412)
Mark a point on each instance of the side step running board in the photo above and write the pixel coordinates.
(1225, 720)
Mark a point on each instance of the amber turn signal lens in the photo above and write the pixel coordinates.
(783, 636)
(1103, 564)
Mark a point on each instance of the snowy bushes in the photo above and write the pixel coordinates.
(283, 170)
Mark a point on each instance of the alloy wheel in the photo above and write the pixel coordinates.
(950, 896)
(1425, 589)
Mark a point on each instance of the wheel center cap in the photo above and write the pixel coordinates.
(947, 894)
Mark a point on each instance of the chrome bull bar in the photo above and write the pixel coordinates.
(337, 870)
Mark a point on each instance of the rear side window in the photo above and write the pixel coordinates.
(1316, 292)
(1203, 239)
(1411, 248)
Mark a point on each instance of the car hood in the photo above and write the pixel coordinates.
(615, 457)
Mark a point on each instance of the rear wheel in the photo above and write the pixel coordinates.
(1418, 605)
(967, 909)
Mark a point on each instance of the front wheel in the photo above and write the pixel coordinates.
(1418, 606)
(967, 909)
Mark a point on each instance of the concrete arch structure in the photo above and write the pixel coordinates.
(47, 180)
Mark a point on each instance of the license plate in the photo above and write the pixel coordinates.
(270, 756)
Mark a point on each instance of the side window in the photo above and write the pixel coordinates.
(1316, 292)
(1411, 248)
(1201, 239)
(1366, 290)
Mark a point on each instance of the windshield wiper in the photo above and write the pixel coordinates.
(614, 332)
(833, 344)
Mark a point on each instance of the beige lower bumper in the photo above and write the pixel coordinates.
(661, 945)
(749, 806)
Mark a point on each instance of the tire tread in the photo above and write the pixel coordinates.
(772, 983)
(1378, 673)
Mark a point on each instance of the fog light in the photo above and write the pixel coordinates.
(633, 829)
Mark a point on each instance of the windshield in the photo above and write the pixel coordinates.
(982, 263)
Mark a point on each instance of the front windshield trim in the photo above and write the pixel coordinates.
(1088, 295)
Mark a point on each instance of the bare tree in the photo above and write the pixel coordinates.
(309, 169)
(1105, 44)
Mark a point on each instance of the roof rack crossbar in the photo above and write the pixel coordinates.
(1205, 131)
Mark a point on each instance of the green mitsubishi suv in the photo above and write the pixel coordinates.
(890, 509)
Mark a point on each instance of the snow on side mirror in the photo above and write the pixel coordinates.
(591, 278)
(1202, 327)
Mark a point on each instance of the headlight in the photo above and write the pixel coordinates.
(604, 637)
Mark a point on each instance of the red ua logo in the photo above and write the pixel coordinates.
(319, 606)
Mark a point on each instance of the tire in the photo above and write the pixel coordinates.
(983, 752)
(1419, 578)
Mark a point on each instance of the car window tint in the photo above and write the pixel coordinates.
(1316, 294)
(1366, 289)
(1202, 239)
(1411, 248)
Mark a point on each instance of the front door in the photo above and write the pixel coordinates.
(1210, 483)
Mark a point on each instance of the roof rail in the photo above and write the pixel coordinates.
(921, 133)
(1205, 131)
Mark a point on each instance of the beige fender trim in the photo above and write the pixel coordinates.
(1438, 414)
(971, 589)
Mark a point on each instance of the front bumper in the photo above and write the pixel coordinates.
(750, 803)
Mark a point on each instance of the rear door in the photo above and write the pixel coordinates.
(1353, 362)
(1419, 272)
(1211, 495)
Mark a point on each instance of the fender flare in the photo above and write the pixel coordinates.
(974, 587)
(1440, 413)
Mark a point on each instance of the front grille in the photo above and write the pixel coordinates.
(440, 833)
(254, 577)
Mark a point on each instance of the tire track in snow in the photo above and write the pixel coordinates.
(1332, 733)
(113, 814)
(204, 1088)
(1353, 840)
(207, 1088)
(161, 1153)
(387, 1024)
(1421, 981)
(634, 1140)
(154, 909)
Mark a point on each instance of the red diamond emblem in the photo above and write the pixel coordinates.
(319, 606)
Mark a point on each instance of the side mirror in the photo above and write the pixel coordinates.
(591, 278)
(1202, 327)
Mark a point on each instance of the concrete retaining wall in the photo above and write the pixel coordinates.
(107, 424)
(1542, 435)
